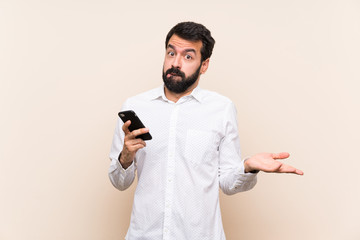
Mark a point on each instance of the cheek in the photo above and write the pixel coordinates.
(165, 68)
(190, 70)
(166, 65)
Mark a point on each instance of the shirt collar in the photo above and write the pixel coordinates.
(198, 94)
(159, 92)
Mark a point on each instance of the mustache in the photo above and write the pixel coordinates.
(175, 71)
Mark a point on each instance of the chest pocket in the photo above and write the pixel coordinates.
(199, 147)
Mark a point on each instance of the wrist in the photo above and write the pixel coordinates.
(124, 163)
(248, 168)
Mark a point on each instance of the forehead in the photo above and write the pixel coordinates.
(183, 44)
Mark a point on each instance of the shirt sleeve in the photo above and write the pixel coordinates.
(120, 178)
(232, 176)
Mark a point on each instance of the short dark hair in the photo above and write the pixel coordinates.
(194, 32)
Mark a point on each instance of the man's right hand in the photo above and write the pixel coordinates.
(131, 144)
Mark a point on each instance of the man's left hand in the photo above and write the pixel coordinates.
(268, 162)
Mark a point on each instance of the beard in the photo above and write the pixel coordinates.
(179, 86)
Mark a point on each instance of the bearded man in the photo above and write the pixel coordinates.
(195, 148)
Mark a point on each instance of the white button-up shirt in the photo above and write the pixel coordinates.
(194, 150)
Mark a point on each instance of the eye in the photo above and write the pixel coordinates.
(188, 57)
(171, 54)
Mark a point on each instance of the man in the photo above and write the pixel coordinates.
(194, 151)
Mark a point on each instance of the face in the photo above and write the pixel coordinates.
(182, 65)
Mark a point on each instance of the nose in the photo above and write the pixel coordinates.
(176, 62)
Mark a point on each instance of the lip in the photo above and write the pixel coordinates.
(172, 75)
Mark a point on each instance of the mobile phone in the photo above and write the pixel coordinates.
(135, 123)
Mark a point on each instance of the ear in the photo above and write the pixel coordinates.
(204, 66)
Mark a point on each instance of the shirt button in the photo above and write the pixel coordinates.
(169, 179)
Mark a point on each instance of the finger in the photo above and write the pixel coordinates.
(139, 131)
(135, 147)
(125, 127)
(135, 141)
(281, 155)
(290, 169)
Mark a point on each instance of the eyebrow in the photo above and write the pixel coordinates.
(186, 50)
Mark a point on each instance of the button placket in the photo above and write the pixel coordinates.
(170, 172)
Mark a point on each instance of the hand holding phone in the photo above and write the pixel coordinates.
(135, 123)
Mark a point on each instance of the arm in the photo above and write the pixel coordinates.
(232, 174)
(122, 155)
(236, 176)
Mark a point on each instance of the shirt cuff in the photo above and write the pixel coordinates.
(123, 170)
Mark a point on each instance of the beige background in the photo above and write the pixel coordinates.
(291, 67)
